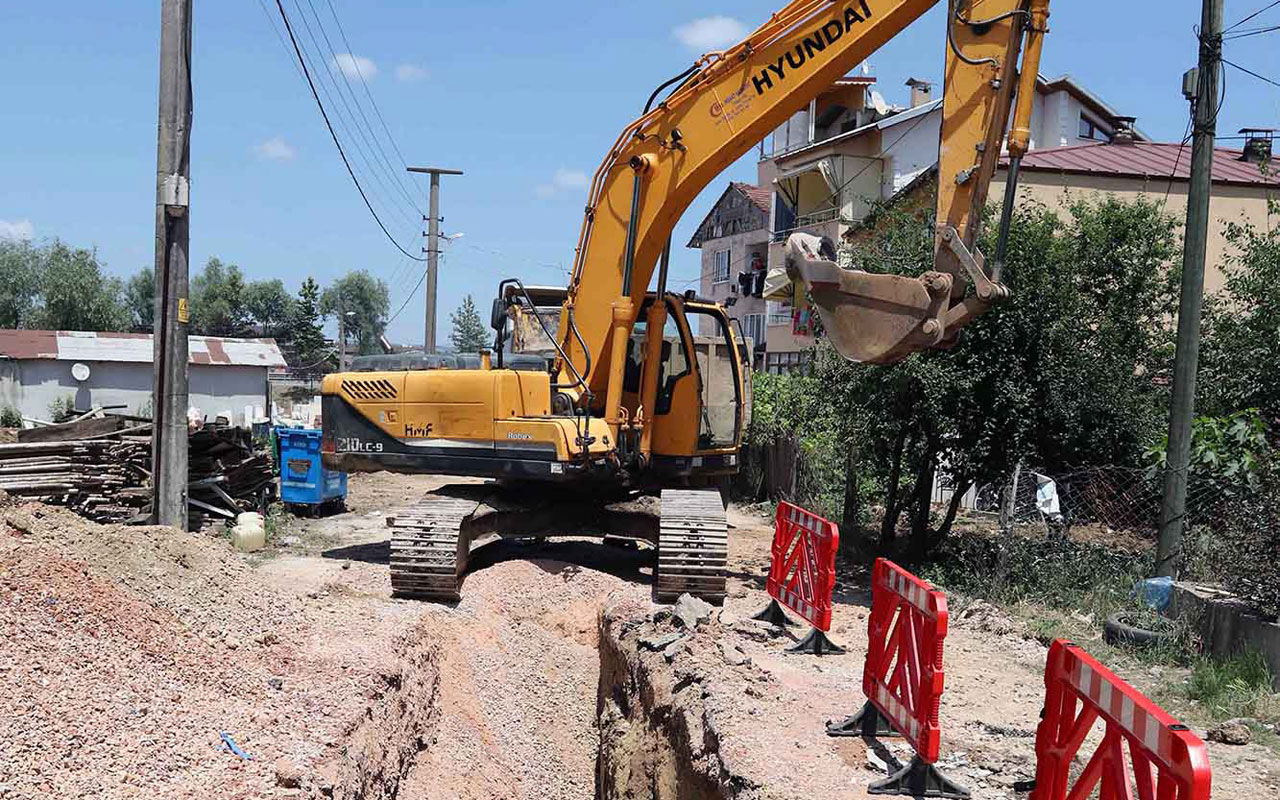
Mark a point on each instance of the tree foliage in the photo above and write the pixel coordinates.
(270, 307)
(366, 302)
(218, 300)
(308, 337)
(1240, 353)
(469, 334)
(140, 299)
(72, 293)
(1091, 307)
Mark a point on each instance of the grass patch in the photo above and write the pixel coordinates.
(1239, 686)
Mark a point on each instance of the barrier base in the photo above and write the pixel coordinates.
(919, 779)
(816, 644)
(867, 722)
(774, 615)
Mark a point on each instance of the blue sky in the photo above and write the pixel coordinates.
(525, 97)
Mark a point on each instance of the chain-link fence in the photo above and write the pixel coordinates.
(1102, 500)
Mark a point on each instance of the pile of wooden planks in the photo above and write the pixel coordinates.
(101, 468)
(99, 479)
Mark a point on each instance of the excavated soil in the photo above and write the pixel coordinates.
(128, 652)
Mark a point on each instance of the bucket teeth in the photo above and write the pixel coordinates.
(693, 545)
(428, 548)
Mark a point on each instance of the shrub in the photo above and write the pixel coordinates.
(10, 417)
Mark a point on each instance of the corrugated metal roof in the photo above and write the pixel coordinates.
(1144, 160)
(134, 348)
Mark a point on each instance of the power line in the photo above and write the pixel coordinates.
(347, 163)
(1251, 72)
(372, 102)
(371, 138)
(319, 65)
(1251, 32)
(412, 293)
(1254, 14)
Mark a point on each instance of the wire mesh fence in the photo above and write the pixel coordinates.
(1106, 499)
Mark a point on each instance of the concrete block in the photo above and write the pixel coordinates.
(1227, 624)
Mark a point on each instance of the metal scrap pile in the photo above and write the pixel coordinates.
(101, 468)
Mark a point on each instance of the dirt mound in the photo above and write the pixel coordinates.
(129, 652)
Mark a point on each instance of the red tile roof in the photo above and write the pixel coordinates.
(760, 196)
(1144, 160)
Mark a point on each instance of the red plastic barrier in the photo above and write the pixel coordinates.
(802, 572)
(903, 674)
(1165, 760)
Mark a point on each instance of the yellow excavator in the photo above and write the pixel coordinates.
(642, 391)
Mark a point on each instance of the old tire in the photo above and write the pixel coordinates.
(1117, 631)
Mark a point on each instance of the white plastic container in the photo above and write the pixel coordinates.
(249, 533)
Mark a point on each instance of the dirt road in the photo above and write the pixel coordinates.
(128, 652)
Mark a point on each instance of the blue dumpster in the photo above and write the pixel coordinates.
(302, 478)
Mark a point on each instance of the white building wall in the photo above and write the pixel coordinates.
(33, 385)
(909, 148)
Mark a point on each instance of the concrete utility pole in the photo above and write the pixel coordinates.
(1173, 509)
(433, 252)
(172, 313)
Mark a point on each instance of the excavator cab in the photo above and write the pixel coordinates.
(698, 414)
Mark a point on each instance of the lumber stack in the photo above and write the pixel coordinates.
(106, 476)
(92, 477)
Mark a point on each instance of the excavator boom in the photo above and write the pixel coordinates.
(732, 99)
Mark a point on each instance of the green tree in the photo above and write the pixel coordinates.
(469, 334)
(308, 337)
(365, 303)
(19, 268)
(270, 307)
(1090, 308)
(217, 300)
(1240, 350)
(74, 294)
(140, 297)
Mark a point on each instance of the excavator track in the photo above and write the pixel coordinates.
(693, 545)
(429, 547)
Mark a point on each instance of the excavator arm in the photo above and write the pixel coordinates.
(730, 100)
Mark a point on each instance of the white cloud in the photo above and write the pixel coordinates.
(355, 67)
(710, 33)
(275, 149)
(562, 180)
(18, 229)
(408, 73)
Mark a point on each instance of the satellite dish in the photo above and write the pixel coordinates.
(80, 371)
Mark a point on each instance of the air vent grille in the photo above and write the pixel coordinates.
(369, 389)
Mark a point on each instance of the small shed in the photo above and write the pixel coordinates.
(42, 369)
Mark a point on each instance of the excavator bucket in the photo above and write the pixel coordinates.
(867, 317)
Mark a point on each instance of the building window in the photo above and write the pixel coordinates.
(779, 312)
(1092, 130)
(785, 363)
(753, 328)
(720, 269)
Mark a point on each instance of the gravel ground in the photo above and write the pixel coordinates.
(128, 651)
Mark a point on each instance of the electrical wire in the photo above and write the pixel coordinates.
(372, 102)
(1253, 32)
(412, 293)
(346, 162)
(371, 138)
(324, 70)
(1251, 72)
(1253, 15)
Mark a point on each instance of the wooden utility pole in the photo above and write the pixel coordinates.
(1173, 509)
(172, 313)
(433, 252)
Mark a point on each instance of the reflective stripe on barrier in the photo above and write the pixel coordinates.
(802, 571)
(1166, 760)
(903, 673)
